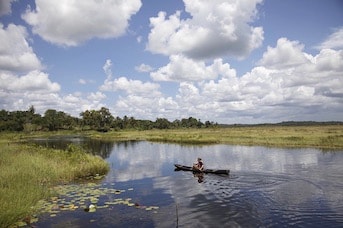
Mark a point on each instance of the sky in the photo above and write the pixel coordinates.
(226, 61)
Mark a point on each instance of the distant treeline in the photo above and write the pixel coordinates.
(285, 123)
(100, 120)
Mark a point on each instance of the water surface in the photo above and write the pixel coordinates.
(267, 187)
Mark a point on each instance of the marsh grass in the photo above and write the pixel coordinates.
(321, 136)
(28, 173)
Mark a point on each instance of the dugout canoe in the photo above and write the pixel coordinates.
(214, 171)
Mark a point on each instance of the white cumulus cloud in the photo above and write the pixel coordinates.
(70, 23)
(181, 68)
(130, 86)
(214, 29)
(300, 87)
(144, 68)
(334, 41)
(34, 81)
(287, 84)
(285, 54)
(16, 55)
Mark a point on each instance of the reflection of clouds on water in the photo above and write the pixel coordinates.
(266, 187)
(137, 160)
(261, 159)
(296, 193)
(134, 161)
(262, 178)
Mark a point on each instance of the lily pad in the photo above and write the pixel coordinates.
(75, 196)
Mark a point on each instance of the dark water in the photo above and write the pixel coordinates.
(267, 187)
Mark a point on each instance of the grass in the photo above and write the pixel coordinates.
(323, 136)
(28, 173)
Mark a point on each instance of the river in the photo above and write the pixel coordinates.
(267, 187)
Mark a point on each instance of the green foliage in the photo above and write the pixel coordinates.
(54, 120)
(100, 120)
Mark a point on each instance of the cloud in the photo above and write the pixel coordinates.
(108, 68)
(23, 83)
(35, 88)
(34, 81)
(287, 84)
(214, 29)
(139, 39)
(16, 55)
(286, 54)
(301, 87)
(129, 86)
(5, 7)
(70, 23)
(82, 81)
(181, 68)
(76, 103)
(17, 92)
(85, 81)
(97, 96)
(334, 41)
(142, 107)
(144, 68)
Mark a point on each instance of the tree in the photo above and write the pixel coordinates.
(100, 120)
(162, 123)
(31, 110)
(105, 119)
(51, 120)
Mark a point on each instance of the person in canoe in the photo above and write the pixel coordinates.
(199, 165)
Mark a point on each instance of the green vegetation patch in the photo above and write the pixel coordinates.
(28, 173)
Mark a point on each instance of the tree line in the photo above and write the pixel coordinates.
(99, 120)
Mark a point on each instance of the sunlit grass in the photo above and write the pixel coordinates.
(28, 172)
(321, 136)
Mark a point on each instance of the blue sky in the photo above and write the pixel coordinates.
(248, 61)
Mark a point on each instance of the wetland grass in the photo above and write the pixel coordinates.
(321, 136)
(28, 173)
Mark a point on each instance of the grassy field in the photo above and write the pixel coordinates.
(324, 137)
(28, 173)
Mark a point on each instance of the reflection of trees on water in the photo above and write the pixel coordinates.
(127, 144)
(105, 148)
(95, 147)
(98, 147)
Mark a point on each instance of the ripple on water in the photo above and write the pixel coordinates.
(254, 199)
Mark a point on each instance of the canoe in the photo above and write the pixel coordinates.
(215, 171)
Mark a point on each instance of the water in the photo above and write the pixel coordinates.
(267, 187)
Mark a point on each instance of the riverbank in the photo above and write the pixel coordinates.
(28, 173)
(321, 136)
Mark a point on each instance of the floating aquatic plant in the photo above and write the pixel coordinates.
(87, 197)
